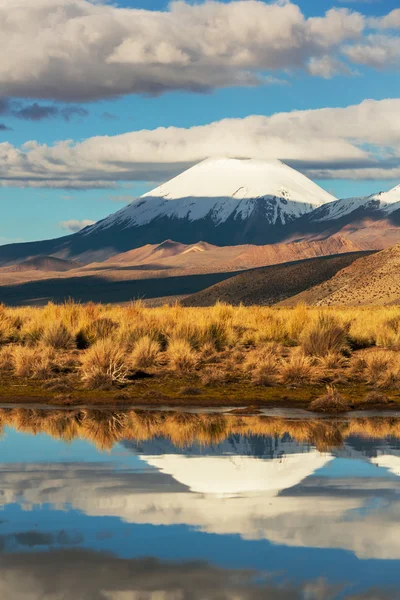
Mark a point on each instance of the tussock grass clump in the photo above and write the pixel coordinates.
(57, 336)
(375, 398)
(181, 356)
(377, 366)
(103, 364)
(145, 352)
(37, 363)
(331, 402)
(325, 336)
(101, 329)
(6, 358)
(213, 375)
(298, 369)
(263, 364)
(7, 329)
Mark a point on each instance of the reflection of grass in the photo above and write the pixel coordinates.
(106, 428)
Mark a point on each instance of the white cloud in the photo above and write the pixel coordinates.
(389, 21)
(328, 142)
(84, 50)
(327, 67)
(378, 51)
(73, 225)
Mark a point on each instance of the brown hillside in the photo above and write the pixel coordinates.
(42, 263)
(206, 258)
(372, 280)
(269, 285)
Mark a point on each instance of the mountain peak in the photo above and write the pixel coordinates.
(242, 178)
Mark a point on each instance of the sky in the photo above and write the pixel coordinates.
(102, 101)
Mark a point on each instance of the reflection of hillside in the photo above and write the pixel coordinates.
(67, 574)
(136, 428)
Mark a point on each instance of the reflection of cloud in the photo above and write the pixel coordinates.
(34, 539)
(80, 575)
(331, 514)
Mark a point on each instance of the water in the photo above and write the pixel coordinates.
(137, 506)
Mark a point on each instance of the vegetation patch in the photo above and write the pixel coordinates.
(92, 353)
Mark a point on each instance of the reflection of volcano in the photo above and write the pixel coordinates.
(282, 500)
(390, 462)
(239, 474)
(257, 446)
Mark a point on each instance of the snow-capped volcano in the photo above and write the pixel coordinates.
(224, 191)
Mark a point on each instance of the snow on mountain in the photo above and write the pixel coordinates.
(220, 189)
(383, 202)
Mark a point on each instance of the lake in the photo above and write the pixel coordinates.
(138, 505)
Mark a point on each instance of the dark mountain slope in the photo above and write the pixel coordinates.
(269, 285)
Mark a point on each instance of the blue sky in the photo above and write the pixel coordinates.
(30, 213)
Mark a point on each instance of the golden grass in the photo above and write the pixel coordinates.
(181, 356)
(261, 345)
(103, 364)
(331, 402)
(145, 352)
(33, 362)
(104, 429)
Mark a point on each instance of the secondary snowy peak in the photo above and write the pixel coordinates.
(383, 202)
(226, 188)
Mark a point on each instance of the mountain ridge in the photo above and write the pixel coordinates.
(242, 211)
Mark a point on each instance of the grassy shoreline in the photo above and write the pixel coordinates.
(184, 393)
(326, 360)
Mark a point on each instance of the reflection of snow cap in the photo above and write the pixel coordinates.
(233, 475)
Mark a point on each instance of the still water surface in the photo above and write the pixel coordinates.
(228, 511)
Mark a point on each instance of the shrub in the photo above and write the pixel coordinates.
(33, 362)
(181, 356)
(57, 336)
(325, 336)
(331, 402)
(145, 352)
(103, 364)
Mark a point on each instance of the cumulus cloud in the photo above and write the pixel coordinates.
(81, 50)
(378, 51)
(73, 225)
(389, 21)
(328, 142)
(327, 67)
